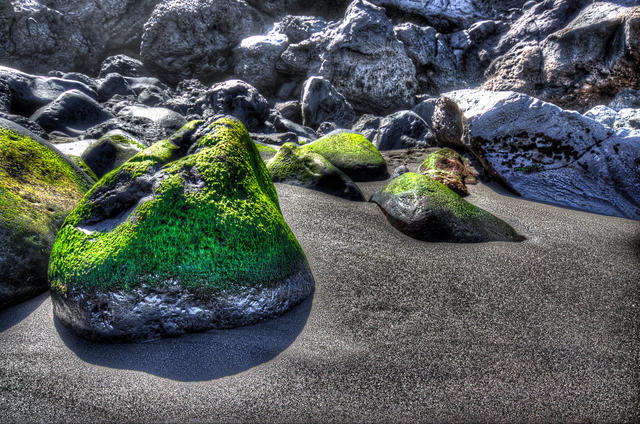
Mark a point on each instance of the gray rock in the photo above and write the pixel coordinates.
(30, 92)
(113, 84)
(80, 77)
(368, 126)
(321, 102)
(72, 113)
(238, 99)
(626, 98)
(255, 59)
(326, 128)
(289, 110)
(553, 155)
(141, 128)
(276, 139)
(448, 123)
(186, 96)
(285, 125)
(299, 28)
(112, 150)
(606, 116)
(426, 108)
(180, 41)
(402, 130)
(161, 117)
(123, 65)
(399, 170)
(26, 123)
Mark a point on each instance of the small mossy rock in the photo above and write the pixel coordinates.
(427, 210)
(266, 151)
(451, 169)
(185, 236)
(351, 153)
(110, 151)
(38, 188)
(292, 165)
(82, 165)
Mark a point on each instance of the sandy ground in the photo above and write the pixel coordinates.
(397, 330)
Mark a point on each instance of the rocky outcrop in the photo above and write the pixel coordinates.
(134, 260)
(553, 155)
(292, 165)
(180, 42)
(403, 130)
(426, 210)
(585, 57)
(38, 187)
(255, 60)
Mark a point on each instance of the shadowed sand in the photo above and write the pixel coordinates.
(546, 329)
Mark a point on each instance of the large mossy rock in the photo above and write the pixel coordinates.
(352, 153)
(292, 165)
(185, 236)
(38, 188)
(427, 210)
(451, 169)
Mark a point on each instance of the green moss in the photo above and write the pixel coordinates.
(352, 153)
(293, 164)
(266, 151)
(439, 196)
(117, 137)
(450, 168)
(212, 223)
(78, 161)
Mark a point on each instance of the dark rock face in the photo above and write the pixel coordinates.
(255, 60)
(123, 65)
(299, 28)
(141, 128)
(72, 113)
(291, 165)
(112, 150)
(553, 155)
(368, 126)
(448, 123)
(27, 93)
(402, 130)
(113, 84)
(588, 54)
(426, 210)
(322, 102)
(180, 41)
(238, 99)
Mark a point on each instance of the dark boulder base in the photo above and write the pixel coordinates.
(148, 313)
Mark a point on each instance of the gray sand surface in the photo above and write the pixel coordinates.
(397, 330)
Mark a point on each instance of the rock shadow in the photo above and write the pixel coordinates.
(197, 356)
(15, 314)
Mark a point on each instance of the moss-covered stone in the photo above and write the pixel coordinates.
(294, 166)
(352, 153)
(38, 188)
(451, 169)
(110, 151)
(196, 213)
(82, 165)
(428, 210)
(266, 151)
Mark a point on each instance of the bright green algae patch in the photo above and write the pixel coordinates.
(352, 153)
(38, 188)
(82, 165)
(209, 220)
(294, 164)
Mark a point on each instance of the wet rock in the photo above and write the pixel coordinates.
(72, 113)
(553, 155)
(181, 42)
(284, 125)
(352, 154)
(213, 208)
(402, 130)
(426, 210)
(113, 84)
(112, 150)
(293, 165)
(321, 102)
(289, 110)
(38, 187)
(141, 128)
(159, 116)
(426, 108)
(368, 126)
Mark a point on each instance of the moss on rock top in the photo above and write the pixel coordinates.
(352, 153)
(451, 169)
(197, 209)
(38, 188)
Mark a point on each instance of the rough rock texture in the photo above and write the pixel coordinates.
(553, 155)
(255, 60)
(403, 130)
(142, 129)
(112, 85)
(186, 237)
(292, 165)
(40, 35)
(72, 113)
(448, 123)
(238, 99)
(367, 125)
(299, 28)
(123, 65)
(180, 41)
(626, 98)
(352, 154)
(583, 60)
(451, 169)
(112, 150)
(426, 210)
(38, 188)
(321, 102)
(159, 116)
(623, 118)
(27, 93)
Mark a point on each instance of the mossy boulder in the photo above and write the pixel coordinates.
(352, 153)
(38, 188)
(427, 210)
(110, 151)
(185, 236)
(292, 165)
(82, 165)
(266, 152)
(451, 169)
